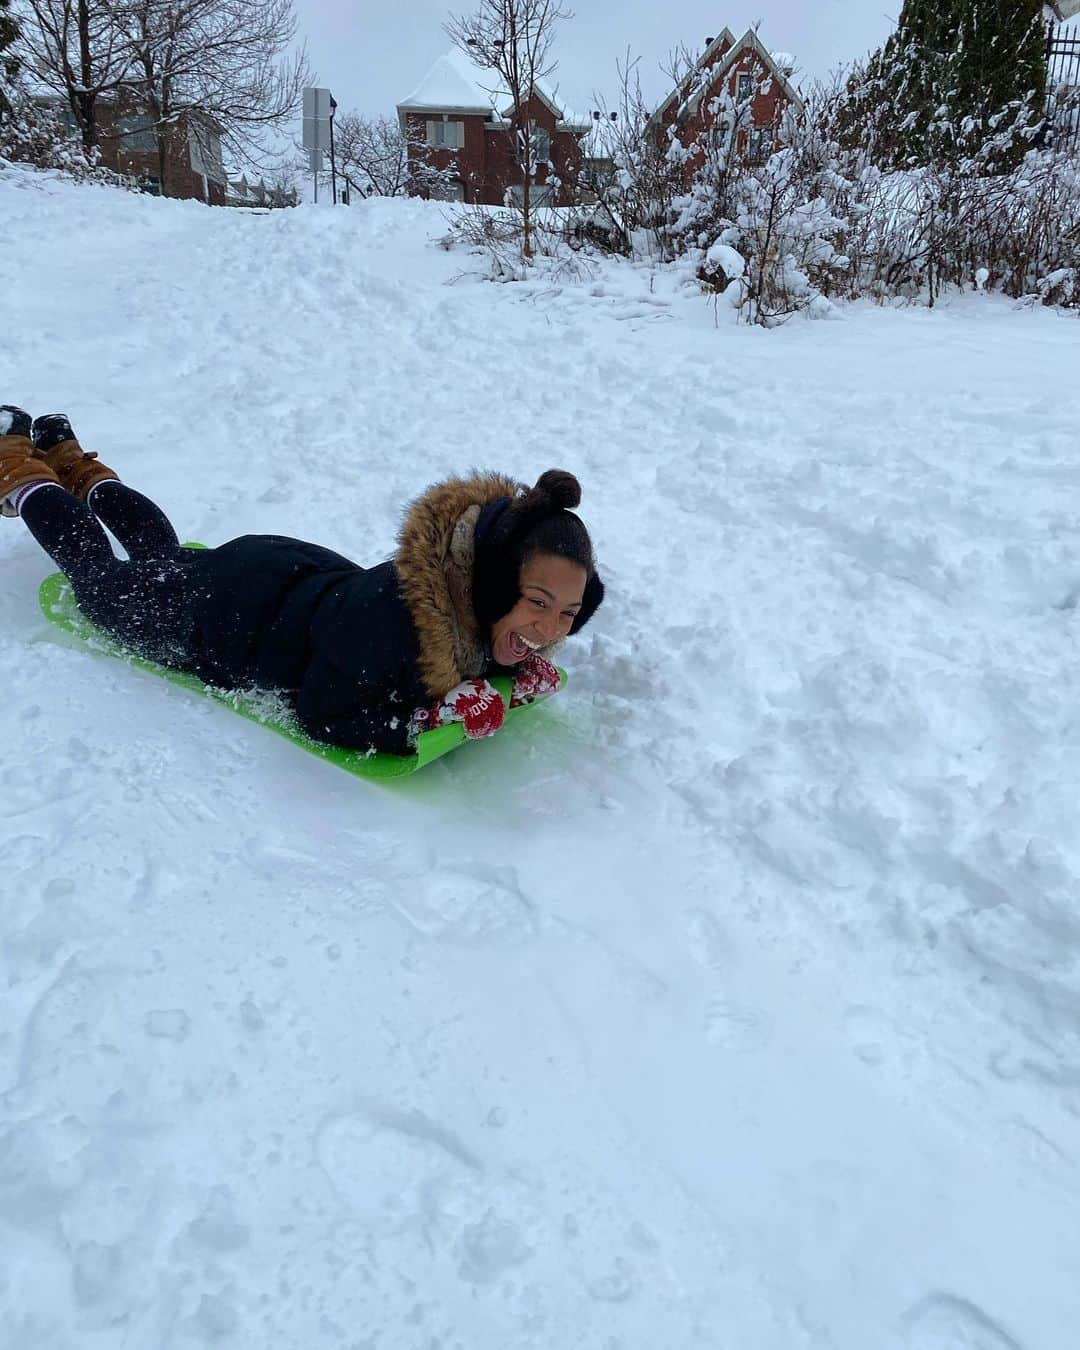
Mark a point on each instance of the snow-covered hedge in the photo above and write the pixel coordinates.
(818, 221)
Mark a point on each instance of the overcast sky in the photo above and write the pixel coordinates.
(373, 56)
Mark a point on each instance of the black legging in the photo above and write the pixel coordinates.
(140, 601)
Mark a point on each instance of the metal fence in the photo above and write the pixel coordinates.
(1063, 84)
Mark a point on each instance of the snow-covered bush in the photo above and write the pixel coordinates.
(767, 233)
(829, 217)
(495, 233)
(31, 133)
(819, 220)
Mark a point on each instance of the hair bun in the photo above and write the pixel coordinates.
(559, 487)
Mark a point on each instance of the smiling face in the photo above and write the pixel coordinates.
(552, 589)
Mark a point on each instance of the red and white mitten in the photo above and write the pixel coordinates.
(476, 704)
(533, 678)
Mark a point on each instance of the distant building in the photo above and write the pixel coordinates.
(456, 127)
(128, 144)
(736, 85)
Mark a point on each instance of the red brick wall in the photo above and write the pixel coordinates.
(180, 179)
(466, 164)
(767, 107)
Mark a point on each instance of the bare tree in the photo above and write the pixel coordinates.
(76, 49)
(373, 152)
(646, 155)
(222, 65)
(383, 159)
(513, 39)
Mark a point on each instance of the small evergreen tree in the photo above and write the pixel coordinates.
(955, 76)
(1001, 74)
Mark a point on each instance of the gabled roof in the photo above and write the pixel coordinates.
(748, 42)
(452, 86)
(566, 120)
(705, 77)
(681, 90)
(449, 86)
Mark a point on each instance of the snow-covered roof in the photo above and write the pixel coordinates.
(573, 121)
(1065, 9)
(453, 85)
(450, 85)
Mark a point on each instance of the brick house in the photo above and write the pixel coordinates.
(127, 141)
(736, 80)
(455, 126)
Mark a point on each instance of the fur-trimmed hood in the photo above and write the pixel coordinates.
(434, 566)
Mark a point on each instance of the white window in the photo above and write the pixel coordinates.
(532, 137)
(745, 87)
(446, 135)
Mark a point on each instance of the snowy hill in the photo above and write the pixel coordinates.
(731, 1001)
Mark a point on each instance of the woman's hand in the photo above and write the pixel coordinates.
(476, 704)
(534, 678)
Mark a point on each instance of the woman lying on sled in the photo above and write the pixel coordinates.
(487, 578)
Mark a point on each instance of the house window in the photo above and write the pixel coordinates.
(541, 144)
(446, 135)
(136, 133)
(761, 143)
(745, 88)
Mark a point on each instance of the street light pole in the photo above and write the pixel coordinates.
(333, 169)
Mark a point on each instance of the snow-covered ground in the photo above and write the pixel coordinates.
(733, 1000)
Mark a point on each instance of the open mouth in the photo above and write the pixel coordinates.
(520, 647)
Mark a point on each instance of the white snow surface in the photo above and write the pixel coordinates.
(729, 260)
(732, 1000)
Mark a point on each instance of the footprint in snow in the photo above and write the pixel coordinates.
(387, 1164)
(945, 1322)
(707, 944)
(871, 1034)
(735, 1027)
(489, 1248)
(478, 908)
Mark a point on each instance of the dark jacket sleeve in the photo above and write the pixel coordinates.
(334, 706)
(361, 687)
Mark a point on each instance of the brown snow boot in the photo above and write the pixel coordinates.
(18, 468)
(77, 469)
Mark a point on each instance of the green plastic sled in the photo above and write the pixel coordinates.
(58, 605)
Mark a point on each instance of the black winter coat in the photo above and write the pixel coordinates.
(354, 650)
